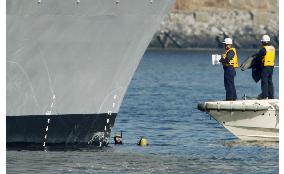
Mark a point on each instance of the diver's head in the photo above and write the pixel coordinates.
(117, 139)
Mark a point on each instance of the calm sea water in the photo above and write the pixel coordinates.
(161, 105)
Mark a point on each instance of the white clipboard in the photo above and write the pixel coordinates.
(215, 59)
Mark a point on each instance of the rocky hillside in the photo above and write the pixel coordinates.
(205, 23)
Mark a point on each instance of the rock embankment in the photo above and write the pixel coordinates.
(204, 24)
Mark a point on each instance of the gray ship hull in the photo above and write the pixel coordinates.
(52, 130)
(67, 58)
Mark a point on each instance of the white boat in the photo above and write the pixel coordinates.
(250, 120)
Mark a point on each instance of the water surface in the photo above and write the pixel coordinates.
(161, 105)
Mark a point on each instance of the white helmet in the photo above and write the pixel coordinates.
(228, 41)
(265, 38)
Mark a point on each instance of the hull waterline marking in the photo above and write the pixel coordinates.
(48, 121)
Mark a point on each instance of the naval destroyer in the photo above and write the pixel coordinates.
(69, 63)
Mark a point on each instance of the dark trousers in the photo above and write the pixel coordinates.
(229, 75)
(266, 82)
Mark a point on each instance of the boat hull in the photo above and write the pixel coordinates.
(254, 124)
(254, 133)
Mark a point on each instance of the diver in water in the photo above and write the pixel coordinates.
(118, 139)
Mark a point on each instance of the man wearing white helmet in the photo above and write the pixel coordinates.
(266, 55)
(230, 63)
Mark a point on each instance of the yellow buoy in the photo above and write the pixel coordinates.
(143, 142)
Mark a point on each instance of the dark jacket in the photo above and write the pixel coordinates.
(257, 64)
(256, 69)
(254, 62)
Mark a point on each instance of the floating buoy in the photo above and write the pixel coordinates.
(143, 142)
